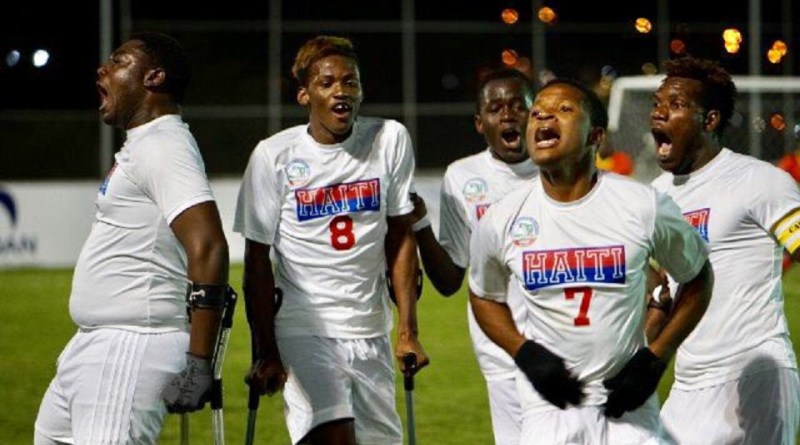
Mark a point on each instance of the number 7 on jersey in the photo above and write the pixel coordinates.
(586, 299)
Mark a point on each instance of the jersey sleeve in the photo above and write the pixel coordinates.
(454, 228)
(677, 245)
(171, 172)
(488, 276)
(401, 176)
(776, 208)
(259, 203)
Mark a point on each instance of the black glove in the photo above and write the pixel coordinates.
(191, 389)
(635, 383)
(549, 376)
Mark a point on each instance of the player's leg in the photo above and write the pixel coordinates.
(584, 425)
(769, 407)
(640, 426)
(318, 391)
(114, 381)
(505, 409)
(53, 425)
(703, 416)
(337, 432)
(377, 421)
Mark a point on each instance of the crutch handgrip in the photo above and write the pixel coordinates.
(410, 362)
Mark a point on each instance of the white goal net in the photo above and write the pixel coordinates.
(765, 124)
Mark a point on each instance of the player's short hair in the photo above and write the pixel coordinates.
(598, 115)
(318, 48)
(719, 91)
(503, 74)
(167, 53)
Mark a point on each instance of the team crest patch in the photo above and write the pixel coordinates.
(297, 172)
(475, 190)
(524, 231)
(699, 220)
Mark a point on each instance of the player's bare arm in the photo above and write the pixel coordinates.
(659, 302)
(443, 273)
(199, 231)
(401, 256)
(691, 302)
(267, 373)
(497, 322)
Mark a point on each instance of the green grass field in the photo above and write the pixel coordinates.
(450, 402)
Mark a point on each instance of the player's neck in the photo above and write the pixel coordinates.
(568, 184)
(705, 154)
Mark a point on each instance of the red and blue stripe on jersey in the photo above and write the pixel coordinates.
(349, 197)
(699, 220)
(546, 268)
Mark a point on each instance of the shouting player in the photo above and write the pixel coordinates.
(576, 243)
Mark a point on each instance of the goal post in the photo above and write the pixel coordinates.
(764, 123)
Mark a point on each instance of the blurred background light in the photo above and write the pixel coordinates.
(12, 58)
(510, 16)
(643, 25)
(547, 15)
(40, 58)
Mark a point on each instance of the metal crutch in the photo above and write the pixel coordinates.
(217, 419)
(410, 362)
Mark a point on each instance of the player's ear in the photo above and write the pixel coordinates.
(155, 77)
(596, 136)
(478, 123)
(711, 120)
(302, 96)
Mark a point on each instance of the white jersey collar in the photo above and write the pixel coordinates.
(329, 148)
(524, 168)
(136, 132)
(703, 171)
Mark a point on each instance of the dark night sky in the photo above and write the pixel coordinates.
(67, 81)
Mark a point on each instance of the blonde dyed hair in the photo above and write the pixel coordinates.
(318, 48)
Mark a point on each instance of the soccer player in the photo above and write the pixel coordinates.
(469, 187)
(157, 232)
(330, 199)
(575, 242)
(736, 377)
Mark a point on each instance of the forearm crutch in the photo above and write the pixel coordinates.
(410, 362)
(253, 398)
(217, 420)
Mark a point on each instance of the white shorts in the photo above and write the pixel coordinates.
(763, 408)
(587, 425)
(107, 388)
(334, 378)
(506, 410)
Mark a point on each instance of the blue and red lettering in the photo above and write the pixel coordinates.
(699, 220)
(545, 268)
(359, 196)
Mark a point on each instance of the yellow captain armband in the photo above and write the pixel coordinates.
(787, 231)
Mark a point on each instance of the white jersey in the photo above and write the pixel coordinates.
(469, 187)
(131, 272)
(581, 269)
(323, 208)
(740, 206)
